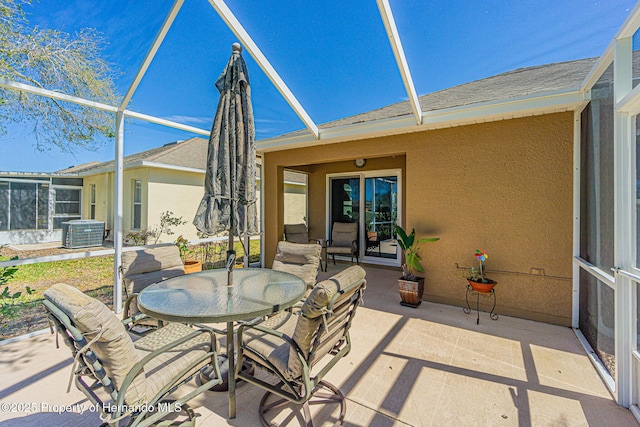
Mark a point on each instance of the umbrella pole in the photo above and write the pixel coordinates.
(231, 253)
(231, 260)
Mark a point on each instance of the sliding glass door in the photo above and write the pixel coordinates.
(370, 199)
(345, 199)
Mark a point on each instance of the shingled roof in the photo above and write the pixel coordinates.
(531, 81)
(191, 153)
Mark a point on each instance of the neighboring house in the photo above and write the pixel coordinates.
(34, 205)
(491, 166)
(167, 178)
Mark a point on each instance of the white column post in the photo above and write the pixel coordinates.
(118, 210)
(622, 70)
(577, 149)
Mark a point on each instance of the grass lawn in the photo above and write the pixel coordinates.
(94, 276)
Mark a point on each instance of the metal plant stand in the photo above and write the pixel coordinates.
(490, 294)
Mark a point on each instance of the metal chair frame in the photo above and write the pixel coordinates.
(355, 248)
(91, 368)
(373, 242)
(335, 325)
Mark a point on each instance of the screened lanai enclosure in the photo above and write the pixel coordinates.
(33, 208)
(596, 288)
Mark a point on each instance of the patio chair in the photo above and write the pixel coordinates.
(299, 259)
(129, 382)
(373, 242)
(297, 233)
(142, 268)
(344, 240)
(289, 346)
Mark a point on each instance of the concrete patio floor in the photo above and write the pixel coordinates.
(430, 366)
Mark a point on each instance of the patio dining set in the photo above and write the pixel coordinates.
(278, 321)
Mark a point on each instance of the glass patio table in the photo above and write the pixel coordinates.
(205, 298)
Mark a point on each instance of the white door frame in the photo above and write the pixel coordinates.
(362, 175)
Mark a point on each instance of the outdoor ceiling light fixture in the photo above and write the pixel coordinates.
(360, 163)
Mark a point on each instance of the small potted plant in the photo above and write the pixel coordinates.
(190, 266)
(476, 277)
(411, 287)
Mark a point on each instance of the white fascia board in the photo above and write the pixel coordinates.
(108, 169)
(599, 68)
(164, 29)
(55, 95)
(551, 102)
(169, 167)
(401, 60)
(490, 111)
(165, 122)
(236, 27)
(142, 163)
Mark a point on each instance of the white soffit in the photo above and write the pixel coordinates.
(248, 43)
(552, 102)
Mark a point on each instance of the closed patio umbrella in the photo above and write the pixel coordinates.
(229, 202)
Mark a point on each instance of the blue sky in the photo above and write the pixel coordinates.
(334, 56)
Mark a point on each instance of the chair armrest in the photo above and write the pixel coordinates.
(133, 320)
(140, 365)
(127, 305)
(272, 332)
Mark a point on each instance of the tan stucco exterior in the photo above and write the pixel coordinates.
(505, 187)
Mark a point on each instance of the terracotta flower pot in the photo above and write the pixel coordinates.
(191, 266)
(483, 288)
(411, 291)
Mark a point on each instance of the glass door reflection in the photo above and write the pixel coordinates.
(381, 216)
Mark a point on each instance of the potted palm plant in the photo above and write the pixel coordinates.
(410, 286)
(476, 278)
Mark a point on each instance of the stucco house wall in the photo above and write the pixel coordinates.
(104, 197)
(163, 190)
(504, 186)
(295, 211)
(176, 191)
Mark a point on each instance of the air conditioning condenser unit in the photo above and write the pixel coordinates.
(82, 233)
